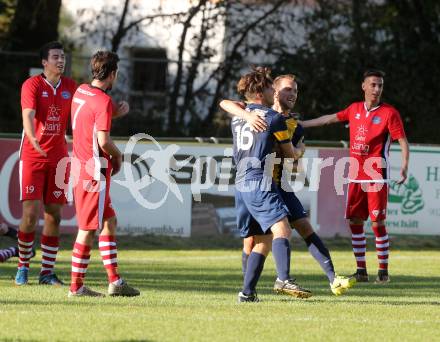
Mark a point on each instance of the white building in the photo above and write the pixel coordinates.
(150, 49)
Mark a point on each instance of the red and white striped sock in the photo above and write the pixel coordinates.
(7, 253)
(49, 250)
(382, 246)
(359, 244)
(80, 261)
(109, 255)
(25, 243)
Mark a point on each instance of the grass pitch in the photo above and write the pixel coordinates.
(189, 294)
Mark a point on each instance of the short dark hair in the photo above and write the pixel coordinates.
(373, 72)
(44, 51)
(103, 63)
(254, 82)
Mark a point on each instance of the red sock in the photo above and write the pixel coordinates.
(80, 261)
(382, 246)
(109, 255)
(49, 250)
(25, 243)
(359, 244)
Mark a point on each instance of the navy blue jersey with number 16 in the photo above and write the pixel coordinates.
(251, 148)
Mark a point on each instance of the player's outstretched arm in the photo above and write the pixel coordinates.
(300, 148)
(28, 115)
(403, 142)
(321, 121)
(235, 108)
(108, 146)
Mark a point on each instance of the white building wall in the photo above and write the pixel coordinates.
(162, 33)
(102, 17)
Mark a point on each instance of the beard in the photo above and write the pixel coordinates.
(286, 105)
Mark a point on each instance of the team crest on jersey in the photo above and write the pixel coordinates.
(376, 120)
(357, 116)
(66, 95)
(44, 94)
(57, 193)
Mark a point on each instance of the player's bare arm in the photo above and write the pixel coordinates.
(235, 108)
(122, 110)
(300, 147)
(403, 142)
(321, 121)
(299, 150)
(288, 151)
(108, 146)
(28, 115)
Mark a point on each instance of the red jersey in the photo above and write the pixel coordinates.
(91, 112)
(371, 133)
(52, 109)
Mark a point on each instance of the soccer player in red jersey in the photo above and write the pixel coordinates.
(95, 159)
(373, 125)
(45, 102)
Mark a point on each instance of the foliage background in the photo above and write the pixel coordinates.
(338, 40)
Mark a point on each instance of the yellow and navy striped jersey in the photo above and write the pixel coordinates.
(296, 134)
(251, 148)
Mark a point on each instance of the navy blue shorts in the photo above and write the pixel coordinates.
(296, 210)
(258, 209)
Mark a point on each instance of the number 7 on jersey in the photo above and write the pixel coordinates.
(80, 104)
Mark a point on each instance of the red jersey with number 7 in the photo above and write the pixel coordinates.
(91, 112)
(371, 133)
(52, 109)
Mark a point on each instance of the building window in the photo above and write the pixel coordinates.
(149, 71)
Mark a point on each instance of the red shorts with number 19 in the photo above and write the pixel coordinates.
(38, 182)
(367, 199)
(92, 203)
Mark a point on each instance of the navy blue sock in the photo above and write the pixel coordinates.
(281, 254)
(255, 266)
(244, 261)
(321, 254)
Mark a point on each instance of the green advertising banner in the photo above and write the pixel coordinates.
(414, 207)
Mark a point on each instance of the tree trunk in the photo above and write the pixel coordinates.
(35, 23)
(231, 59)
(172, 129)
(120, 32)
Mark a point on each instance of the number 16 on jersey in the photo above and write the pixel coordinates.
(245, 137)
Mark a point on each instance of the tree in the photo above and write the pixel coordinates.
(234, 55)
(328, 45)
(35, 23)
(195, 87)
(30, 24)
(345, 38)
(130, 20)
(7, 10)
